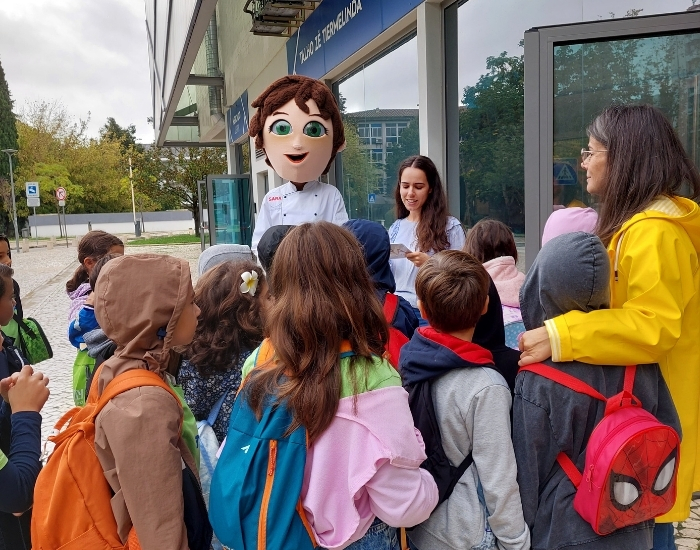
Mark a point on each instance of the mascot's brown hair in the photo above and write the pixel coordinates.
(300, 89)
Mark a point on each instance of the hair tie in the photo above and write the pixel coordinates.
(250, 282)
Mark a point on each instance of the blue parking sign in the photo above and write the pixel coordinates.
(32, 189)
(371, 198)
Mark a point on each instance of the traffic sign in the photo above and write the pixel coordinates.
(33, 202)
(371, 198)
(32, 189)
(61, 202)
(61, 194)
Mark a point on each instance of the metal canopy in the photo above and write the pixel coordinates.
(277, 17)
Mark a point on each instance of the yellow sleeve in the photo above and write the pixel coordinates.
(657, 265)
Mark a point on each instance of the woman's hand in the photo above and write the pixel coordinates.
(535, 346)
(418, 258)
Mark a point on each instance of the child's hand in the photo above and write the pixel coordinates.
(90, 301)
(26, 390)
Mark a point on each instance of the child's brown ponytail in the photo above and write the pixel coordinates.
(94, 244)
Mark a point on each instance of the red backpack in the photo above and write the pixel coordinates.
(631, 459)
(397, 339)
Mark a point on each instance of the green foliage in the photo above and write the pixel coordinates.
(8, 130)
(491, 127)
(125, 136)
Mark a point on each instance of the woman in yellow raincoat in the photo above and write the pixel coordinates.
(637, 166)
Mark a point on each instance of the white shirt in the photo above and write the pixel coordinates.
(404, 232)
(285, 205)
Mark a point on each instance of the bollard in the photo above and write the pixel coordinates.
(51, 242)
(25, 245)
(75, 242)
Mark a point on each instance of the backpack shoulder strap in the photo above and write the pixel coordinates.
(564, 379)
(391, 304)
(134, 378)
(569, 468)
(265, 352)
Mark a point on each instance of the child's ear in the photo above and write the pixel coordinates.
(486, 306)
(342, 147)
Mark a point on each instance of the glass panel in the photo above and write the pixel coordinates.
(373, 101)
(232, 210)
(662, 71)
(490, 79)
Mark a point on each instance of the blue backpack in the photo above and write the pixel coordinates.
(255, 495)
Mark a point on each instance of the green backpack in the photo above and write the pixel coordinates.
(32, 341)
(83, 366)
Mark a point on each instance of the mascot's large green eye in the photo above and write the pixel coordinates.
(281, 128)
(314, 129)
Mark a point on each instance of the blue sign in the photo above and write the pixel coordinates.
(237, 118)
(32, 189)
(337, 29)
(564, 171)
(371, 198)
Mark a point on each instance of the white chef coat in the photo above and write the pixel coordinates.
(285, 205)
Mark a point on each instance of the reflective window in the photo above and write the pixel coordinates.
(662, 71)
(490, 79)
(380, 112)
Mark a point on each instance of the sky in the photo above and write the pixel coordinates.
(92, 56)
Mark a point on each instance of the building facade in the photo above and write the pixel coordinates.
(497, 92)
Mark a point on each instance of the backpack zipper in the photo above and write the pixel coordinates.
(262, 522)
(613, 433)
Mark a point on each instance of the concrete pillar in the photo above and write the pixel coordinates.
(431, 87)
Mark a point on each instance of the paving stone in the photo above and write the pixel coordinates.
(689, 533)
(687, 543)
(691, 523)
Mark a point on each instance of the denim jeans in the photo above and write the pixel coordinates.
(379, 536)
(663, 537)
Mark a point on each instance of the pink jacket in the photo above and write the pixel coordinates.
(507, 279)
(366, 465)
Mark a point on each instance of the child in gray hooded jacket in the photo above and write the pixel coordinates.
(571, 273)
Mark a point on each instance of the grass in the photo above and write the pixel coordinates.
(166, 239)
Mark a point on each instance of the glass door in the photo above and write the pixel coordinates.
(574, 72)
(230, 209)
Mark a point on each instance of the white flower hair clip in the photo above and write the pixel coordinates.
(250, 282)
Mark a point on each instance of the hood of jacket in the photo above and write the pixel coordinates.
(269, 242)
(376, 247)
(430, 353)
(220, 253)
(570, 273)
(507, 279)
(679, 210)
(138, 302)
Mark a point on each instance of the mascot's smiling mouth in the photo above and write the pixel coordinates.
(296, 159)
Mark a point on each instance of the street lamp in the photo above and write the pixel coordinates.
(9, 153)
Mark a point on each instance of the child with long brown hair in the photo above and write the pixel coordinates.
(362, 470)
(423, 223)
(229, 328)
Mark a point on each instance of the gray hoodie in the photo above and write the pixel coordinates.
(570, 273)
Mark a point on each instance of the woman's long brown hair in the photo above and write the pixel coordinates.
(230, 322)
(322, 295)
(432, 227)
(645, 160)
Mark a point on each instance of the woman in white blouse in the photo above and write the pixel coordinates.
(423, 224)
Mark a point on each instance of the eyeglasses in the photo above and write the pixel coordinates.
(587, 153)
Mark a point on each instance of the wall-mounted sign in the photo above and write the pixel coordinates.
(237, 118)
(337, 29)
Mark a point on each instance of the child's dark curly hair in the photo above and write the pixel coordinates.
(230, 323)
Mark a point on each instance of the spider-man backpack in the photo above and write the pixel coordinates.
(397, 339)
(631, 459)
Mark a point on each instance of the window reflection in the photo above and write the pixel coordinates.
(379, 105)
(490, 79)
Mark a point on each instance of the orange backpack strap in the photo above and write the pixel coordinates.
(391, 304)
(129, 380)
(265, 352)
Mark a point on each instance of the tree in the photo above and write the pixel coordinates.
(125, 136)
(8, 130)
(183, 167)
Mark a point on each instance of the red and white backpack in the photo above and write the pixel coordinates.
(631, 459)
